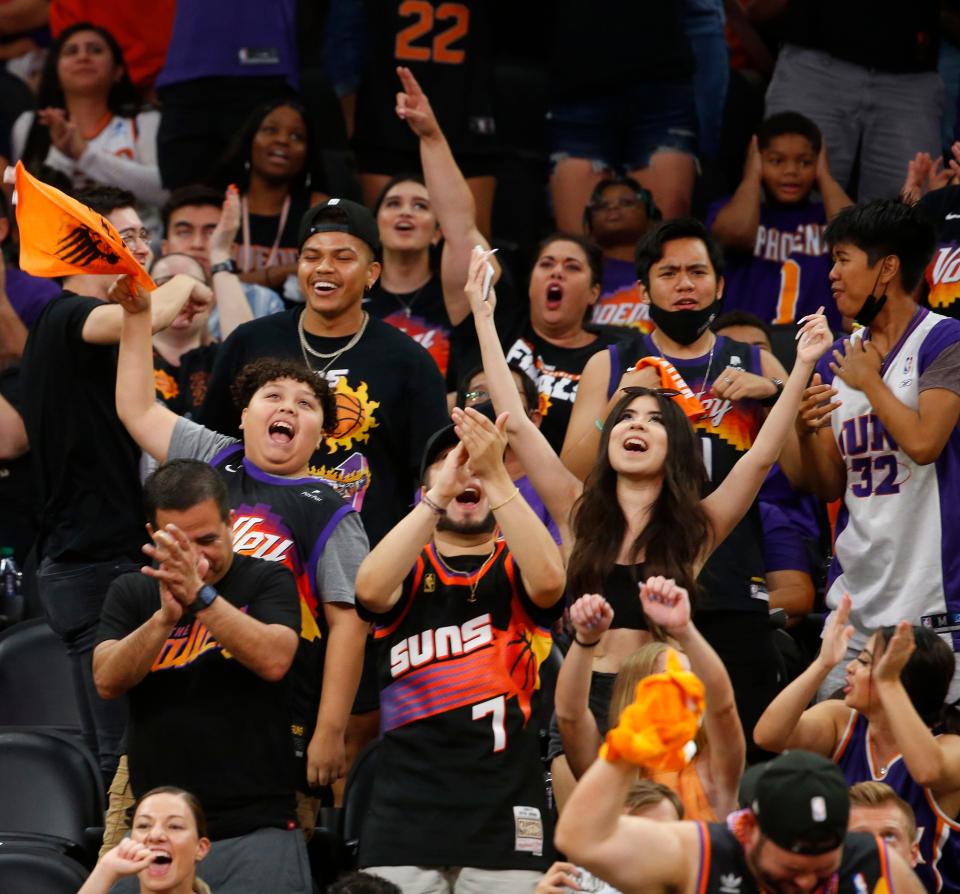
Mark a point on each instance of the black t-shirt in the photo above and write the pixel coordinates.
(390, 399)
(87, 465)
(422, 314)
(446, 46)
(888, 35)
(200, 719)
(263, 233)
(615, 46)
(556, 372)
(941, 286)
(459, 779)
(18, 497)
(183, 388)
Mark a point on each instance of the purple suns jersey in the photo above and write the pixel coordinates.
(939, 867)
(786, 277)
(898, 542)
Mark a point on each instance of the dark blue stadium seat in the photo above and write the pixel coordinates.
(27, 870)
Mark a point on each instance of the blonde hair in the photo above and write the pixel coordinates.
(647, 793)
(637, 665)
(879, 794)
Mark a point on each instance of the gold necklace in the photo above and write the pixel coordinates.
(477, 574)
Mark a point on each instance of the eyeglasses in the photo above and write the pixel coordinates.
(132, 237)
(611, 204)
(633, 390)
(476, 396)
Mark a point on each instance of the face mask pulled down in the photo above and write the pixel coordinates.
(684, 326)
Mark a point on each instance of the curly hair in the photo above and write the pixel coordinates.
(260, 372)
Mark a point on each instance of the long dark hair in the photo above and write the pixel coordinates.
(678, 528)
(926, 677)
(122, 99)
(234, 164)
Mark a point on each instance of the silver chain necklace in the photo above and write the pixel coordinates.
(706, 377)
(306, 349)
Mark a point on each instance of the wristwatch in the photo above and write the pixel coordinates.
(227, 266)
(205, 596)
(772, 399)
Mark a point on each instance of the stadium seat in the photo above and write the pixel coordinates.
(36, 679)
(357, 796)
(52, 795)
(27, 870)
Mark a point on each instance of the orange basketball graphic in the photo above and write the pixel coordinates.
(354, 415)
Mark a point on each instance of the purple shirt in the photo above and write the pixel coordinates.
(786, 276)
(783, 548)
(232, 38)
(29, 294)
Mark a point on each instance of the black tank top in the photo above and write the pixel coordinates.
(724, 869)
(620, 589)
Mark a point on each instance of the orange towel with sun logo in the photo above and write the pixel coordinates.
(59, 236)
(655, 729)
(671, 379)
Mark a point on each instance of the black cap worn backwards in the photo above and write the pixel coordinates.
(340, 216)
(800, 801)
(446, 437)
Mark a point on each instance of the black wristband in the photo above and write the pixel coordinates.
(584, 645)
(228, 266)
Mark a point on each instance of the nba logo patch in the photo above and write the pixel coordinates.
(908, 365)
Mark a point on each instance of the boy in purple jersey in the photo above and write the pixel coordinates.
(777, 261)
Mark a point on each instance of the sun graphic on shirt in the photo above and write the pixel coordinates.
(544, 403)
(165, 384)
(354, 415)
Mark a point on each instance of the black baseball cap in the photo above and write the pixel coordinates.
(800, 800)
(340, 216)
(446, 437)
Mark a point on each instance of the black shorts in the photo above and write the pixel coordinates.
(368, 691)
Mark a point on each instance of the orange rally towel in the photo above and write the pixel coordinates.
(665, 715)
(60, 237)
(670, 378)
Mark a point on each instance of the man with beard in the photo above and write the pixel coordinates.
(791, 838)
(463, 592)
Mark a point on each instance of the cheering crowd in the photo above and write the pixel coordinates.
(372, 446)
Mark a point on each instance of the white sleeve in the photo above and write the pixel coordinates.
(19, 133)
(141, 175)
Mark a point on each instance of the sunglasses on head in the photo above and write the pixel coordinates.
(639, 390)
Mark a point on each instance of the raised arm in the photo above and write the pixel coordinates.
(537, 556)
(735, 225)
(227, 290)
(932, 761)
(735, 494)
(594, 833)
(450, 196)
(668, 605)
(787, 721)
(103, 324)
(150, 423)
(558, 489)
(382, 573)
(591, 616)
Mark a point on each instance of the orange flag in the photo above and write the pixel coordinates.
(60, 237)
(670, 378)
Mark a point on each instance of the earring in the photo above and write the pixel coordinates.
(246, 165)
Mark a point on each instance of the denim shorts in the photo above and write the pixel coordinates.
(623, 130)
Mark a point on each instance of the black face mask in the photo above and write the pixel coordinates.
(684, 326)
(873, 305)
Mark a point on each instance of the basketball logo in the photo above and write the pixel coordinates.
(354, 416)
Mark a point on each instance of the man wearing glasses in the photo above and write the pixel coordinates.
(92, 522)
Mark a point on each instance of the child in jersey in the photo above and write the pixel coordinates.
(892, 726)
(771, 230)
(280, 514)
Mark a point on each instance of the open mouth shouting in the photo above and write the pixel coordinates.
(635, 444)
(162, 861)
(554, 296)
(324, 287)
(281, 431)
(468, 496)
